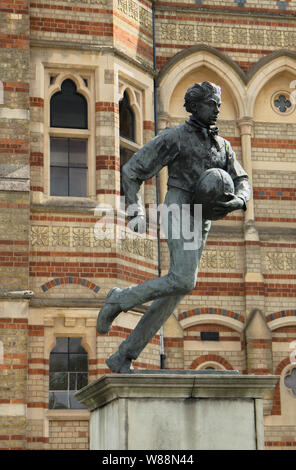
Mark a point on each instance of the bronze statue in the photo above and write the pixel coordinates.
(188, 151)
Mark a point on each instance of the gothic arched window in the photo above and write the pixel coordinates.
(68, 109)
(126, 119)
(68, 372)
(68, 154)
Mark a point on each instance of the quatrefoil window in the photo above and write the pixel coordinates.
(290, 381)
(282, 103)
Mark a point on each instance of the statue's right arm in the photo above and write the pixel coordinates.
(146, 163)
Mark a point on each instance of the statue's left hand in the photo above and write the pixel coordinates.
(234, 203)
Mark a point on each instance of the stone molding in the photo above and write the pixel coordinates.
(172, 385)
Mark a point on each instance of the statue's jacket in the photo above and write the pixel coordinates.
(187, 150)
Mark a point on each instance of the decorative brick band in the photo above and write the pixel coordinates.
(16, 87)
(37, 404)
(14, 41)
(36, 102)
(275, 194)
(107, 162)
(108, 191)
(14, 323)
(259, 343)
(273, 143)
(107, 106)
(229, 289)
(14, 146)
(38, 439)
(13, 206)
(210, 357)
(36, 158)
(69, 8)
(37, 188)
(281, 314)
(260, 371)
(280, 443)
(70, 280)
(174, 342)
(14, 242)
(212, 311)
(36, 330)
(148, 125)
(11, 6)
(66, 26)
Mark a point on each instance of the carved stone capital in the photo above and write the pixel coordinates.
(246, 126)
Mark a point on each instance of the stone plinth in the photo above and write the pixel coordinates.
(176, 411)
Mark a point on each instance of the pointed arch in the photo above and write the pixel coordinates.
(135, 108)
(192, 59)
(267, 68)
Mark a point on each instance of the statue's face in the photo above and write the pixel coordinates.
(207, 111)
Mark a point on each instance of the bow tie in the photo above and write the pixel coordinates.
(206, 131)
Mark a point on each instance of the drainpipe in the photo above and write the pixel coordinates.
(162, 355)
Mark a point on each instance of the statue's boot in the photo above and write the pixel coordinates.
(119, 363)
(109, 311)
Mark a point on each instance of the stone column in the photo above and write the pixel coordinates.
(257, 333)
(163, 122)
(246, 130)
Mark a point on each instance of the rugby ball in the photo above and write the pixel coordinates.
(213, 185)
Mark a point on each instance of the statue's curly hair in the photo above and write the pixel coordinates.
(200, 92)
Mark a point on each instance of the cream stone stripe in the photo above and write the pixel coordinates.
(13, 410)
(273, 166)
(9, 113)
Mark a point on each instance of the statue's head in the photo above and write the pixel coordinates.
(203, 101)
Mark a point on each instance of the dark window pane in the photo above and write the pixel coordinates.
(126, 119)
(58, 362)
(77, 153)
(61, 345)
(78, 363)
(78, 380)
(74, 404)
(58, 152)
(82, 380)
(75, 346)
(59, 181)
(73, 381)
(58, 381)
(68, 108)
(67, 371)
(58, 400)
(78, 182)
(209, 335)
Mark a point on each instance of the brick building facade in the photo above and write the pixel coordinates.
(55, 272)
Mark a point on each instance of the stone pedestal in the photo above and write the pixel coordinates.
(176, 411)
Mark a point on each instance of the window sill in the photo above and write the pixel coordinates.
(65, 204)
(68, 415)
(129, 144)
